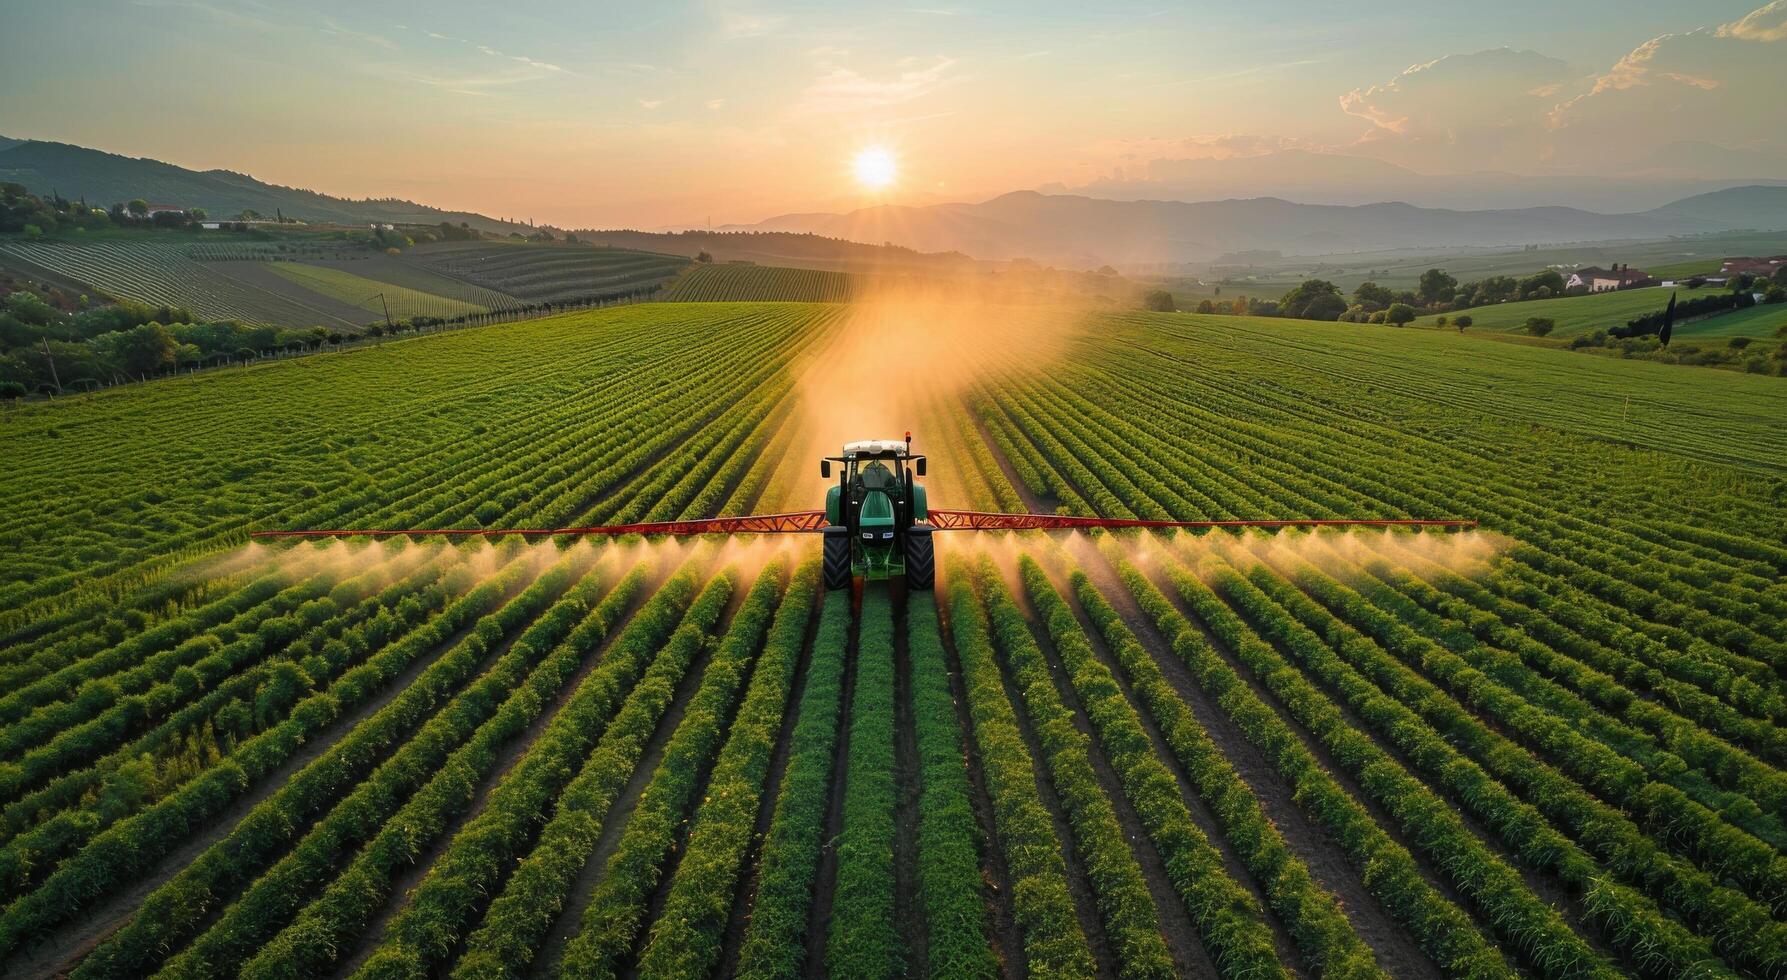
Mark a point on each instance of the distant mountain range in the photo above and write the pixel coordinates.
(1069, 230)
(1078, 231)
(1666, 174)
(104, 179)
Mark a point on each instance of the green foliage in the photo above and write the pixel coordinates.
(1540, 326)
(863, 941)
(775, 940)
(616, 913)
(1054, 944)
(741, 282)
(686, 937)
(949, 881)
(1555, 749)
(1320, 292)
(1436, 286)
(1158, 301)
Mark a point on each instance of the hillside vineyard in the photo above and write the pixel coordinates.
(1552, 746)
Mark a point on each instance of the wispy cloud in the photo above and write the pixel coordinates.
(841, 90)
(737, 24)
(649, 104)
(226, 13)
(331, 27)
(716, 103)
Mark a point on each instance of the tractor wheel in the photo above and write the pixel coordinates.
(836, 564)
(921, 560)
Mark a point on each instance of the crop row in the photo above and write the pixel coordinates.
(608, 713)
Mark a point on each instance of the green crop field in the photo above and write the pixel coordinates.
(165, 273)
(549, 273)
(1552, 746)
(373, 295)
(757, 283)
(1577, 315)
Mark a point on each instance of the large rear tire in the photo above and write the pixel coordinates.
(921, 560)
(835, 567)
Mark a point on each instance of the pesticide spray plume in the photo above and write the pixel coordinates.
(906, 348)
(1337, 553)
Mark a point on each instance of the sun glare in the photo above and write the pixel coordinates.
(875, 168)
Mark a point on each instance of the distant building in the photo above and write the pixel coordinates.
(1760, 268)
(155, 209)
(1597, 280)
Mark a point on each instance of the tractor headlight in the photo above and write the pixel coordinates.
(868, 535)
(886, 535)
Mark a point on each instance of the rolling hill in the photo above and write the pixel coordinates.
(105, 178)
(1084, 231)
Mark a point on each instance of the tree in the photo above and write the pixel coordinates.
(138, 208)
(197, 214)
(1372, 296)
(702, 256)
(1206, 307)
(1436, 286)
(248, 214)
(1439, 321)
(1550, 280)
(139, 350)
(1462, 322)
(1399, 314)
(1539, 326)
(1159, 300)
(1325, 306)
(1297, 300)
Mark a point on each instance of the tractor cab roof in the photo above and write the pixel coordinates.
(875, 447)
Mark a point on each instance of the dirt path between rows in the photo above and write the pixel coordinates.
(751, 871)
(825, 882)
(909, 915)
(1002, 926)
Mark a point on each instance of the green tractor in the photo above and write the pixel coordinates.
(876, 516)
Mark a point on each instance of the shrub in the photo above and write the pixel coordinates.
(1539, 326)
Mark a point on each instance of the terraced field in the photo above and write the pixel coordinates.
(549, 273)
(1550, 747)
(164, 274)
(757, 283)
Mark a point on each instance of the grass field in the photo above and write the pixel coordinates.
(756, 283)
(1549, 747)
(372, 295)
(1577, 315)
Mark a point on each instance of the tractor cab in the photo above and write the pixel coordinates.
(875, 515)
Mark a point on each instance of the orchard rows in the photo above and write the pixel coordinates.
(1551, 747)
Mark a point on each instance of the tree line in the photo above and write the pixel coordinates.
(47, 349)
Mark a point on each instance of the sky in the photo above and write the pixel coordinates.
(596, 114)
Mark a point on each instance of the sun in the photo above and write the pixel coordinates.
(875, 167)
